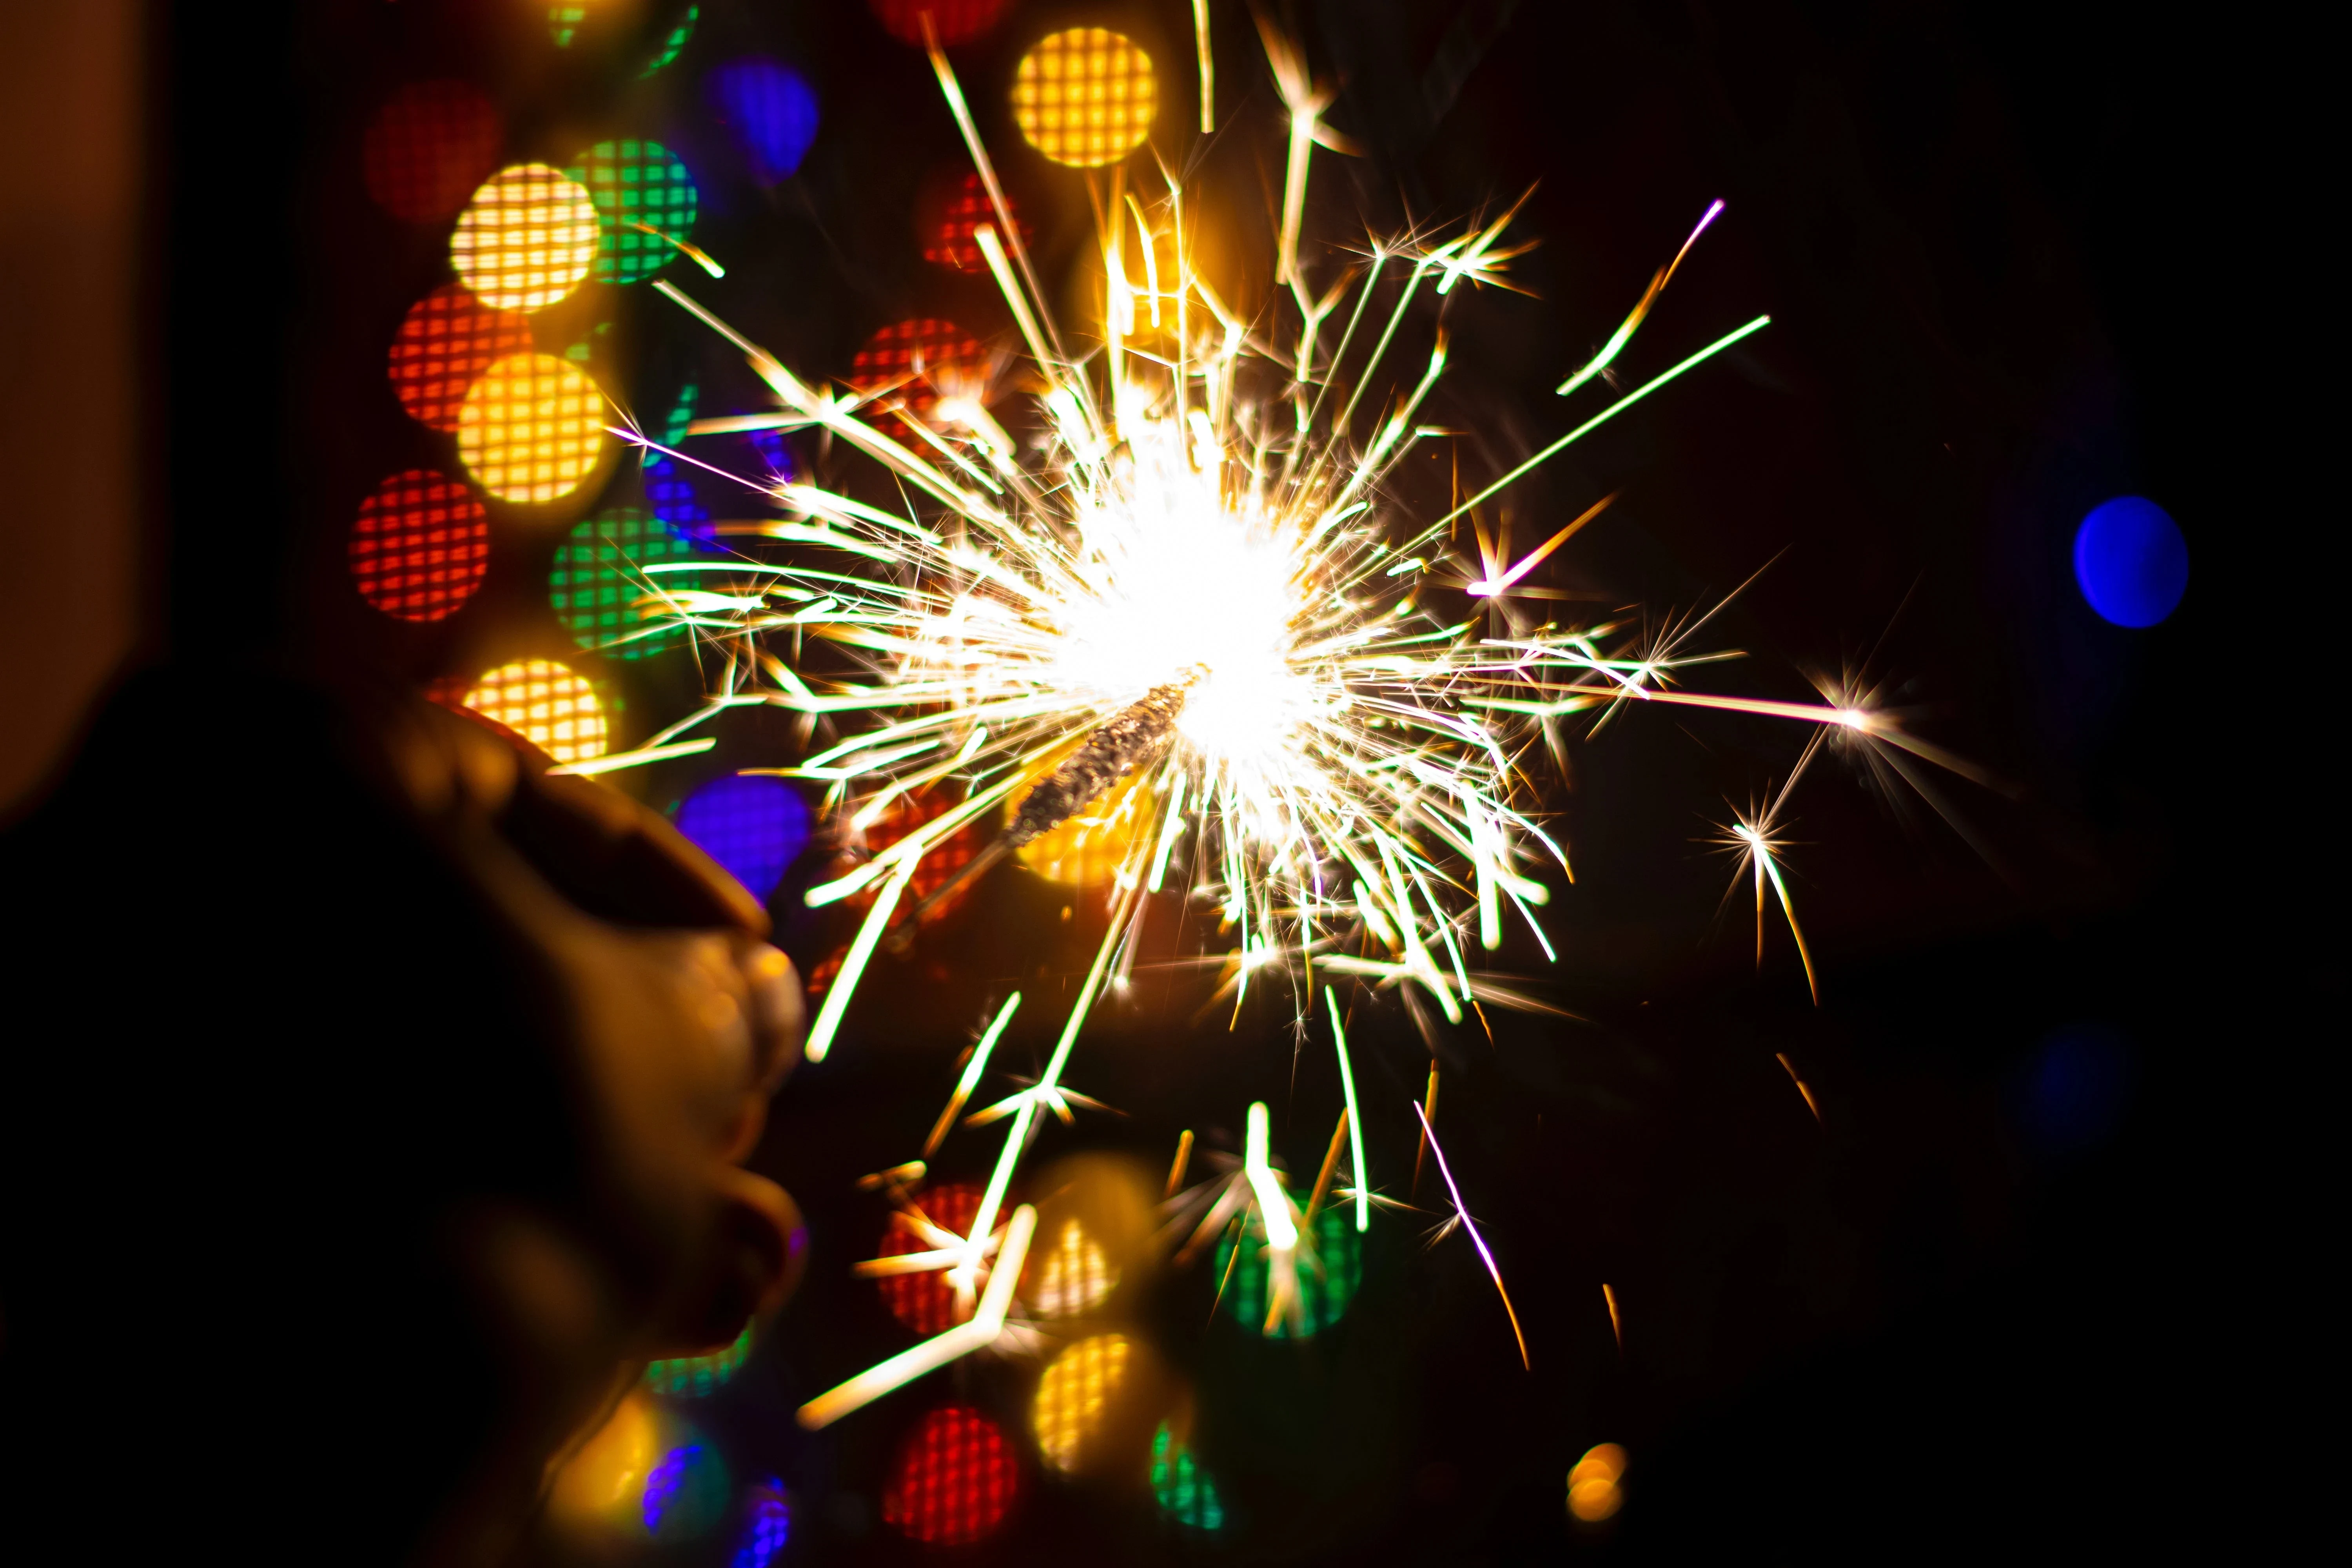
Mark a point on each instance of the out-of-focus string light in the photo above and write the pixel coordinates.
(428, 147)
(953, 21)
(419, 545)
(546, 704)
(699, 1376)
(443, 345)
(753, 825)
(1594, 1489)
(767, 1526)
(1073, 1396)
(526, 239)
(955, 1479)
(531, 430)
(926, 358)
(646, 202)
(1074, 1276)
(923, 1301)
(599, 589)
(950, 226)
(1186, 1494)
(1327, 1284)
(770, 110)
(674, 43)
(685, 1493)
(1085, 97)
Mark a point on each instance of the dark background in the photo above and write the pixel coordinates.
(2004, 1292)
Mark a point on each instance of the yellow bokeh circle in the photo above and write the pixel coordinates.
(526, 239)
(1085, 97)
(546, 704)
(532, 430)
(1073, 1397)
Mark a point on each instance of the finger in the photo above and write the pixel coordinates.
(779, 1015)
(619, 861)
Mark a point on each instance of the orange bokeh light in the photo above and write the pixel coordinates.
(1085, 97)
(531, 428)
(546, 704)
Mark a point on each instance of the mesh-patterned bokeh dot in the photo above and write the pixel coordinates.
(428, 147)
(445, 343)
(674, 44)
(531, 428)
(754, 824)
(925, 358)
(601, 591)
(545, 703)
(955, 21)
(906, 814)
(950, 217)
(685, 1493)
(1069, 1274)
(1322, 1297)
(419, 545)
(1073, 1396)
(1085, 97)
(641, 193)
(954, 1481)
(700, 1376)
(767, 1526)
(1185, 1492)
(924, 1302)
(527, 238)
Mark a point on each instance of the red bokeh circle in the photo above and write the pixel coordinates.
(925, 1302)
(419, 545)
(955, 1479)
(949, 213)
(924, 358)
(445, 343)
(428, 147)
(955, 21)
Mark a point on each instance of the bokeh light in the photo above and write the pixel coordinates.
(1322, 1298)
(445, 343)
(674, 44)
(950, 217)
(546, 704)
(924, 1302)
(419, 545)
(685, 1493)
(906, 813)
(531, 430)
(1593, 1489)
(2131, 561)
(955, 1479)
(1070, 1274)
(599, 588)
(1085, 97)
(753, 825)
(604, 1483)
(1183, 1489)
(767, 1526)
(925, 358)
(1072, 1397)
(955, 21)
(527, 238)
(1088, 850)
(428, 147)
(699, 1376)
(770, 110)
(641, 192)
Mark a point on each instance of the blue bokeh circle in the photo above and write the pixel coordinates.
(2131, 561)
(753, 825)
(771, 109)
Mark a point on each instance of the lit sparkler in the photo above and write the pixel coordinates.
(1196, 594)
